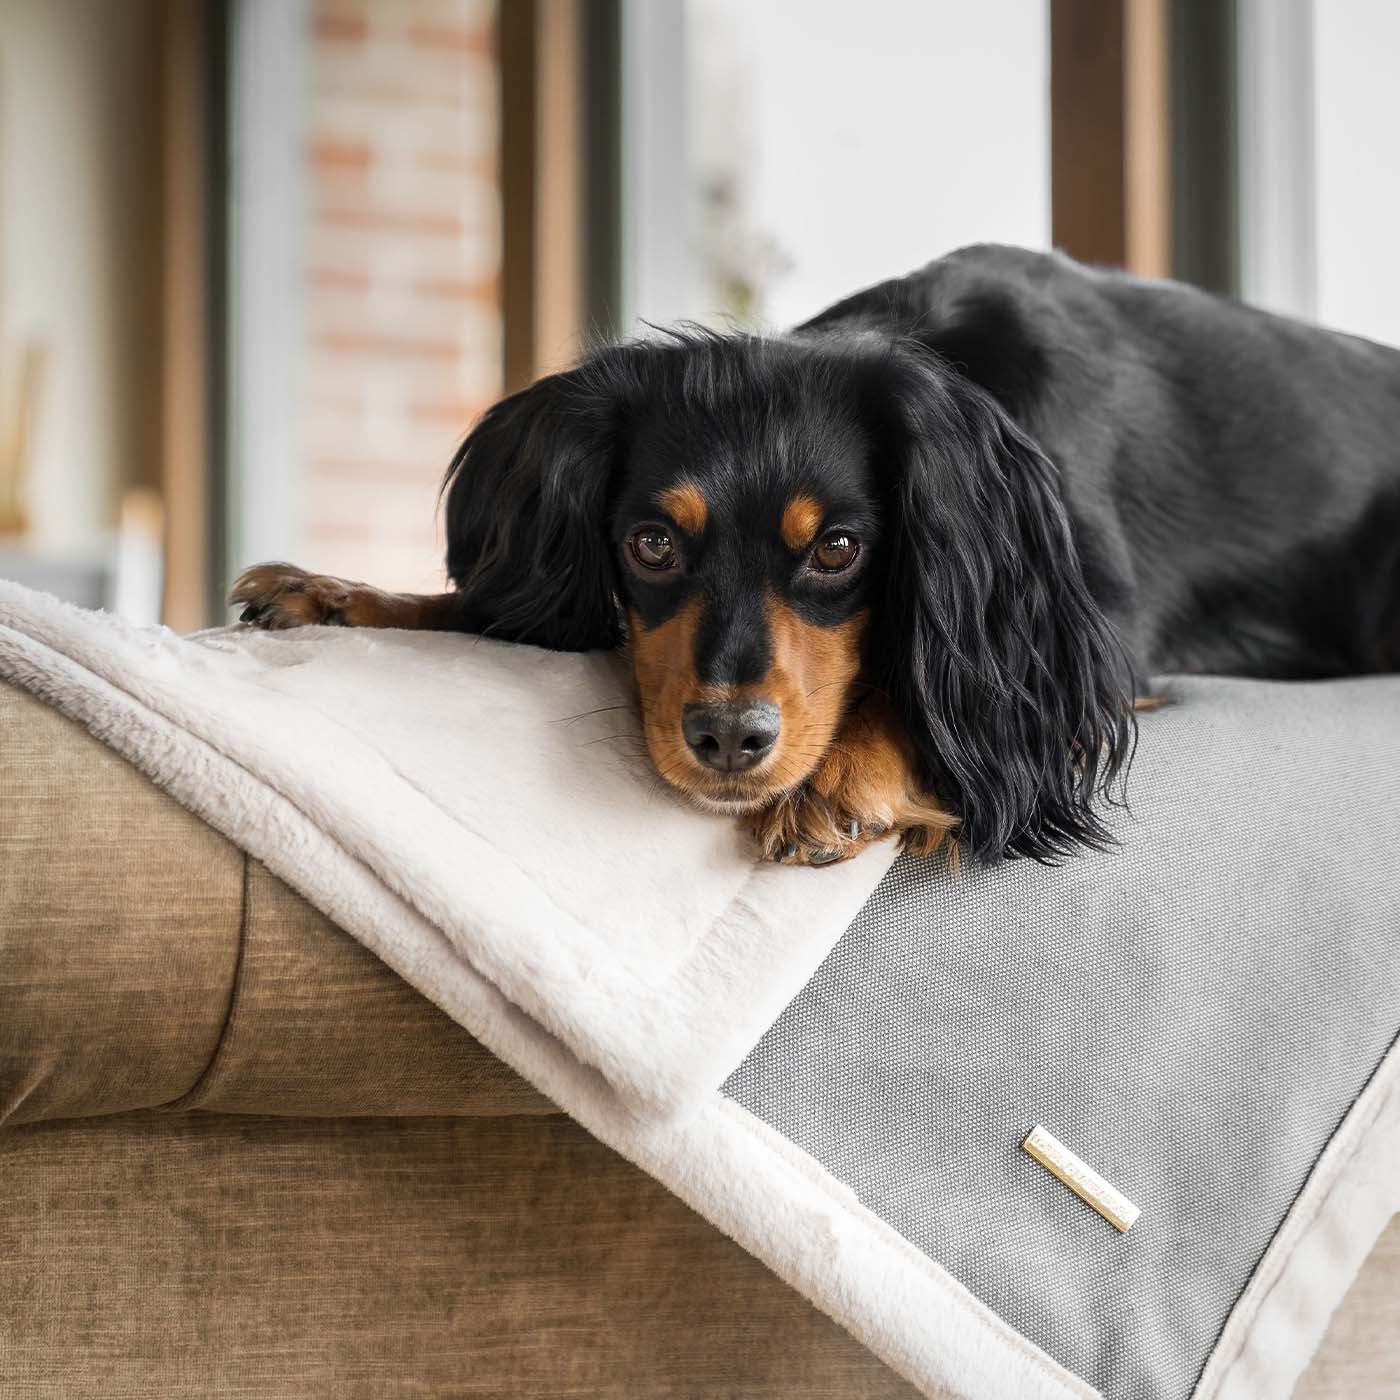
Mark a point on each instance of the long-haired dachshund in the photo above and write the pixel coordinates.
(907, 568)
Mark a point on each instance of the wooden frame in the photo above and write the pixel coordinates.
(1144, 146)
(1110, 129)
(185, 329)
(560, 179)
(542, 51)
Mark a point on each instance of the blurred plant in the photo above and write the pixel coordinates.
(740, 261)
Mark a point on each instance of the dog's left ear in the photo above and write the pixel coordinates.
(526, 517)
(1013, 685)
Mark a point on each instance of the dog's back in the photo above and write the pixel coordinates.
(1233, 476)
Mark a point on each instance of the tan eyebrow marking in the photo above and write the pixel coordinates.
(685, 505)
(802, 518)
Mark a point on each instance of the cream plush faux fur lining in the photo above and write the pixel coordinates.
(261, 736)
(1349, 1198)
(499, 791)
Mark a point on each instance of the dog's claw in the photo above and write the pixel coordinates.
(251, 613)
(853, 830)
(786, 853)
(823, 857)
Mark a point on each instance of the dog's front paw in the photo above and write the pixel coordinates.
(278, 596)
(803, 828)
(865, 787)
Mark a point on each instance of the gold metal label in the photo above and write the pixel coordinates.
(1081, 1178)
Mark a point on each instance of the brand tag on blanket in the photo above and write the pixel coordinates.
(1081, 1178)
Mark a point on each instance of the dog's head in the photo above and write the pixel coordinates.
(778, 526)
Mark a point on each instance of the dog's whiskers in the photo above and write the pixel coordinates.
(586, 714)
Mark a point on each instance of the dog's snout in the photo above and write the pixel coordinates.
(731, 736)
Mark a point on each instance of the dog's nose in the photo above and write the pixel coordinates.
(732, 736)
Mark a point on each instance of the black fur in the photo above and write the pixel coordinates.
(1068, 480)
(527, 502)
(1006, 673)
(1232, 478)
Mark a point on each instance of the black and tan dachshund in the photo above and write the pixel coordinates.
(908, 568)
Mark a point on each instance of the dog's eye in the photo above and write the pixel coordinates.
(836, 553)
(652, 548)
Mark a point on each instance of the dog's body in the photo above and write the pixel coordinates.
(1233, 478)
(909, 567)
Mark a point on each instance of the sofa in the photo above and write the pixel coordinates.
(240, 1158)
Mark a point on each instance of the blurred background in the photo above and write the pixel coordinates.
(262, 262)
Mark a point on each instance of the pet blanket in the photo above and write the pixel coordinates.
(839, 1066)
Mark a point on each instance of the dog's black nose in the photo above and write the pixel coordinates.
(732, 736)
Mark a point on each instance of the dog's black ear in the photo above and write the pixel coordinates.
(1014, 686)
(527, 515)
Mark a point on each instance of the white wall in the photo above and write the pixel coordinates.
(864, 139)
(78, 109)
(1357, 87)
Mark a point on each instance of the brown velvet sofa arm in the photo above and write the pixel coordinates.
(145, 962)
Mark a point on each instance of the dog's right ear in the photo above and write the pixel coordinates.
(527, 515)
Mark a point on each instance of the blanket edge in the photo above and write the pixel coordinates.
(1351, 1194)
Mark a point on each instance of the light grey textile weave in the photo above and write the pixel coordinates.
(1193, 1015)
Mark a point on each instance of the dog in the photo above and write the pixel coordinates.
(908, 568)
